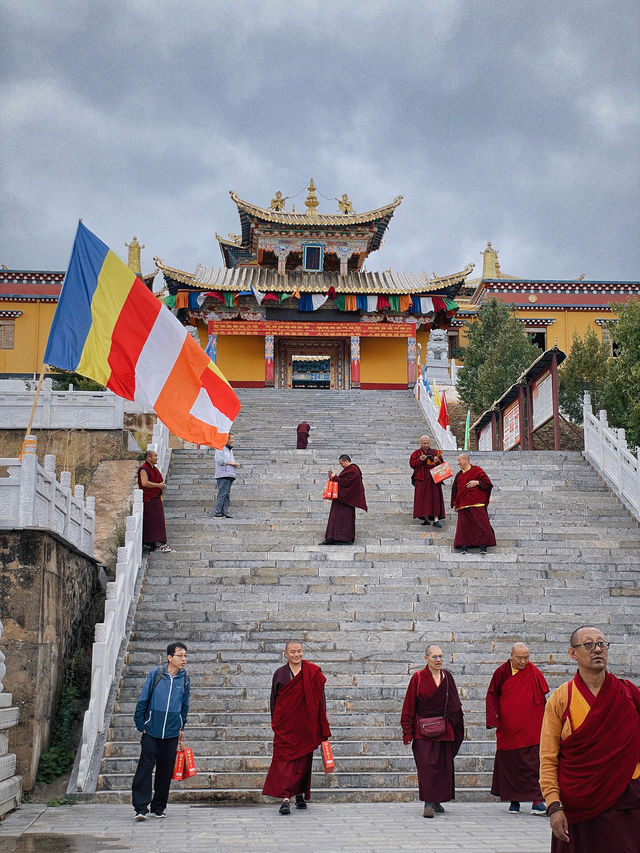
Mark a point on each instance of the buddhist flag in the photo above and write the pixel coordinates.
(443, 414)
(436, 396)
(110, 327)
(466, 430)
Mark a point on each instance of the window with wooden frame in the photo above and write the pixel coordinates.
(7, 333)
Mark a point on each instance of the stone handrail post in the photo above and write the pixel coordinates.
(10, 784)
(444, 438)
(606, 449)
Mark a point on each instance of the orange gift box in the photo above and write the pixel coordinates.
(441, 472)
(327, 757)
(330, 491)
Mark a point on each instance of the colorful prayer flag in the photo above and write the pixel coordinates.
(443, 414)
(466, 431)
(436, 396)
(110, 327)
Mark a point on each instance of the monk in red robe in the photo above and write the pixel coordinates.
(432, 692)
(150, 480)
(590, 755)
(341, 527)
(470, 495)
(515, 706)
(299, 722)
(428, 503)
(303, 435)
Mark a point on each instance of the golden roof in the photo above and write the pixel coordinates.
(283, 217)
(244, 278)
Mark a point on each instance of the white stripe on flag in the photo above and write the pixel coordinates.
(318, 299)
(426, 305)
(204, 410)
(158, 356)
(258, 295)
(372, 303)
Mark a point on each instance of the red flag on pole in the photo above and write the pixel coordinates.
(443, 414)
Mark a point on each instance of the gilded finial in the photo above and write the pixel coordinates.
(344, 205)
(277, 203)
(311, 202)
(134, 263)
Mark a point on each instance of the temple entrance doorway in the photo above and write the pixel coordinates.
(312, 363)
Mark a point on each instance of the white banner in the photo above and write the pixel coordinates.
(542, 399)
(511, 426)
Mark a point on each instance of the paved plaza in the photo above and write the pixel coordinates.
(324, 828)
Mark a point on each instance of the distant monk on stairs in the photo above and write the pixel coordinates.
(341, 527)
(428, 503)
(303, 435)
(470, 495)
(299, 723)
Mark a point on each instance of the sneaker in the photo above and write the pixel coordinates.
(428, 810)
(285, 808)
(165, 549)
(437, 524)
(463, 550)
(158, 814)
(514, 808)
(300, 803)
(226, 515)
(438, 808)
(140, 816)
(539, 808)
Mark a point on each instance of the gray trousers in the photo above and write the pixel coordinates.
(224, 489)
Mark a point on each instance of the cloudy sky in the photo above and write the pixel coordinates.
(515, 121)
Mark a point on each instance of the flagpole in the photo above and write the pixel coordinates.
(35, 400)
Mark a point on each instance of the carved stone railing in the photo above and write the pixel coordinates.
(10, 784)
(606, 449)
(110, 634)
(32, 496)
(444, 438)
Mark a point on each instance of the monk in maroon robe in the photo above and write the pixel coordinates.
(150, 480)
(341, 527)
(428, 503)
(515, 706)
(299, 722)
(432, 692)
(303, 435)
(590, 755)
(470, 495)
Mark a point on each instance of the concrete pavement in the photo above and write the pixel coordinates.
(324, 828)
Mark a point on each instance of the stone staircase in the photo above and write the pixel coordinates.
(236, 590)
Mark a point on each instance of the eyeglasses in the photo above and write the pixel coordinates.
(589, 647)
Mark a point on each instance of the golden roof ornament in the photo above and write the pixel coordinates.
(344, 205)
(311, 202)
(277, 203)
(134, 263)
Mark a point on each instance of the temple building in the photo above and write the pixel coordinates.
(293, 306)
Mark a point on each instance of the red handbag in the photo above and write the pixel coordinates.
(433, 727)
(327, 757)
(330, 491)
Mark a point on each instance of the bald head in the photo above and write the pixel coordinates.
(519, 655)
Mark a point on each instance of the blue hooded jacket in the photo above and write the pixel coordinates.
(162, 712)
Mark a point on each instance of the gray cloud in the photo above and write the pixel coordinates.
(514, 122)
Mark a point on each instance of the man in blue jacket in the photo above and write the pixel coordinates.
(161, 714)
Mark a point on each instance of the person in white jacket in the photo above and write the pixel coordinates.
(225, 475)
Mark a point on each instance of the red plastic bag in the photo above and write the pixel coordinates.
(441, 472)
(189, 763)
(327, 757)
(330, 491)
(178, 768)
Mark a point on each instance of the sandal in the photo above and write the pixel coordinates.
(164, 548)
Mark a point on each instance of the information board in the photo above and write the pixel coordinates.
(484, 439)
(511, 426)
(541, 394)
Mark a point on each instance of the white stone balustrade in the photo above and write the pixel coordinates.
(110, 633)
(32, 496)
(60, 409)
(10, 784)
(606, 449)
(443, 438)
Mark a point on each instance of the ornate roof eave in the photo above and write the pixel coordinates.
(283, 217)
(242, 278)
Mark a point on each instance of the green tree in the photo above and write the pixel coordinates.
(497, 352)
(585, 369)
(621, 398)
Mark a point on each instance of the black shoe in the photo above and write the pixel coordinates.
(483, 550)
(425, 522)
(463, 550)
(300, 803)
(327, 542)
(140, 816)
(438, 808)
(218, 515)
(226, 515)
(437, 524)
(285, 808)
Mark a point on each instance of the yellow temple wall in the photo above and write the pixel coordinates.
(383, 363)
(566, 321)
(31, 332)
(241, 359)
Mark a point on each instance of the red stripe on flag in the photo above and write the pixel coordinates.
(130, 334)
(221, 394)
